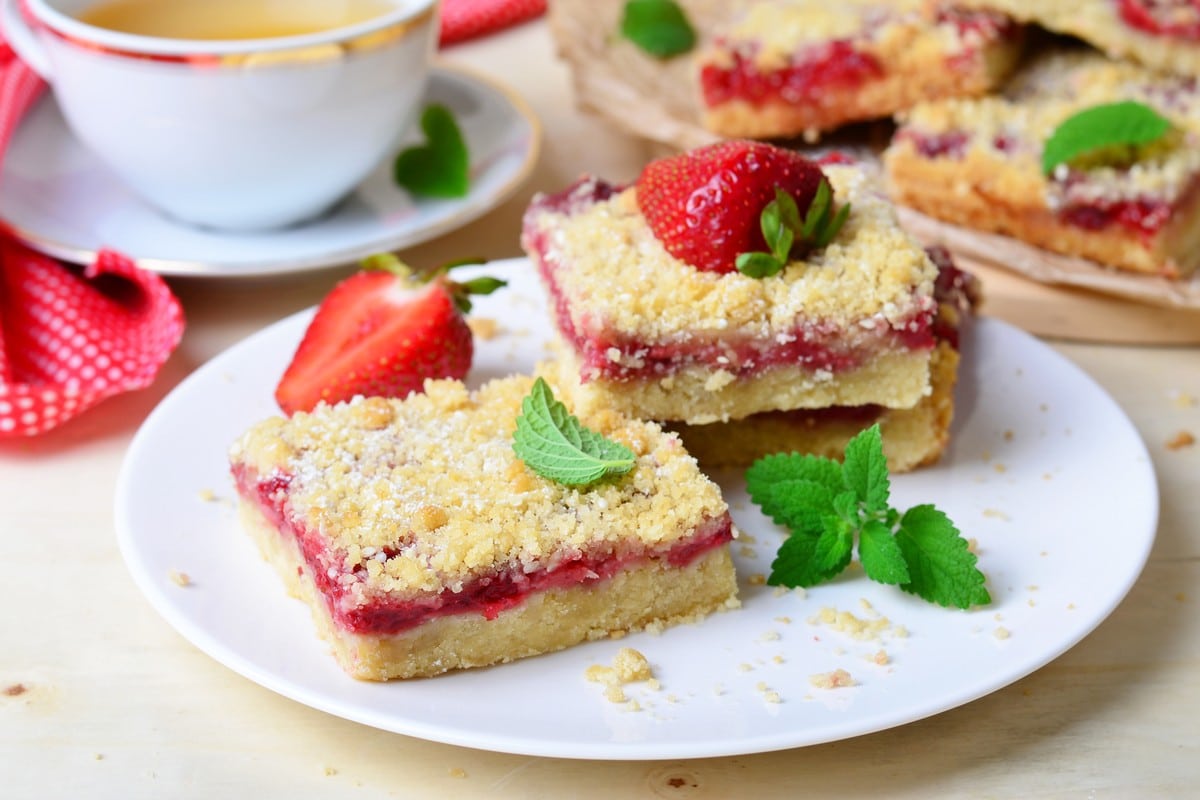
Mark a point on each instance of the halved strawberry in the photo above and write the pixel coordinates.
(705, 205)
(382, 332)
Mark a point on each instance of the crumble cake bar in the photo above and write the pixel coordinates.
(978, 163)
(912, 437)
(790, 67)
(422, 544)
(654, 338)
(1162, 34)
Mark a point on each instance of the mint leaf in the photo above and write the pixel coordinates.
(834, 546)
(866, 469)
(941, 568)
(796, 564)
(880, 554)
(800, 505)
(441, 166)
(825, 506)
(555, 445)
(766, 472)
(758, 265)
(660, 27)
(787, 235)
(1127, 123)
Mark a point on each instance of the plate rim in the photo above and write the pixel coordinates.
(471, 210)
(157, 595)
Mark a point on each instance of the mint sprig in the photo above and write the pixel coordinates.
(659, 27)
(441, 166)
(826, 506)
(556, 445)
(1127, 124)
(788, 236)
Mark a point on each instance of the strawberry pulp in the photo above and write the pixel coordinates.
(380, 615)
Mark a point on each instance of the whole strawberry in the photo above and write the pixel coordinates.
(706, 206)
(382, 332)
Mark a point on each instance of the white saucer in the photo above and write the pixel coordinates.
(58, 198)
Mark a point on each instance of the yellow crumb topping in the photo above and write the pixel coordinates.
(615, 275)
(425, 493)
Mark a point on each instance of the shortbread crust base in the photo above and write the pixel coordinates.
(699, 395)
(649, 594)
(969, 192)
(912, 437)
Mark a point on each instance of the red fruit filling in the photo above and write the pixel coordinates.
(833, 65)
(487, 595)
(813, 345)
(1179, 19)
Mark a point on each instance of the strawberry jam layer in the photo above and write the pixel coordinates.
(1177, 19)
(488, 595)
(815, 345)
(836, 65)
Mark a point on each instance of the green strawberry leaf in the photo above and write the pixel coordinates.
(555, 444)
(1127, 123)
(659, 27)
(441, 166)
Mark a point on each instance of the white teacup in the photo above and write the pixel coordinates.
(234, 134)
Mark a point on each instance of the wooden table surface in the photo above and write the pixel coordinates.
(100, 697)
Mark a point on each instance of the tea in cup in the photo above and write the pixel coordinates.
(233, 114)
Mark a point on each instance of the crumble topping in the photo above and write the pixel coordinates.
(615, 275)
(424, 494)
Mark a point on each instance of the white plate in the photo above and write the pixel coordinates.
(59, 198)
(1045, 472)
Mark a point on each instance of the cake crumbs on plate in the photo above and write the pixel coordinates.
(881, 658)
(179, 578)
(1001, 632)
(1181, 399)
(835, 679)
(757, 579)
(1181, 440)
(871, 628)
(457, 772)
(628, 666)
(995, 513)
(329, 771)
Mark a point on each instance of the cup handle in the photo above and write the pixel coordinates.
(21, 38)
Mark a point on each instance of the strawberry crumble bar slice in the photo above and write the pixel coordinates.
(978, 163)
(1162, 34)
(790, 67)
(912, 437)
(655, 337)
(422, 544)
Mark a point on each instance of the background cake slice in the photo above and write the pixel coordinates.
(978, 163)
(423, 544)
(790, 67)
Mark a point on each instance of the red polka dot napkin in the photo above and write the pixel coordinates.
(466, 19)
(70, 336)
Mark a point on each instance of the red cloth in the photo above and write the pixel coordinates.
(69, 336)
(467, 19)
